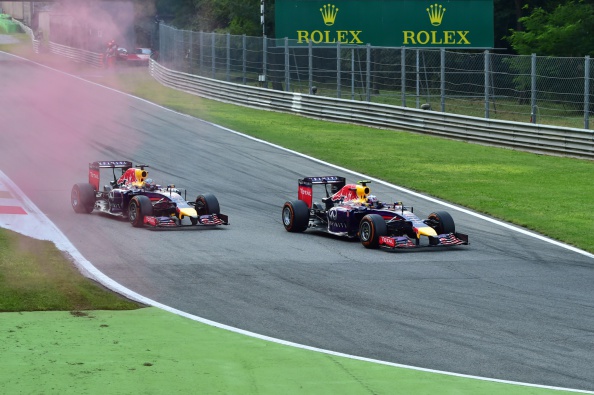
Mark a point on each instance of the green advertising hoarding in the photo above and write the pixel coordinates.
(391, 23)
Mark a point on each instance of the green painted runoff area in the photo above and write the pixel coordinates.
(151, 351)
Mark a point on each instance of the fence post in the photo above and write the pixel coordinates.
(368, 74)
(403, 74)
(442, 93)
(533, 106)
(243, 58)
(338, 64)
(176, 49)
(487, 60)
(353, 73)
(161, 40)
(264, 61)
(190, 47)
(228, 71)
(418, 82)
(587, 92)
(287, 66)
(310, 66)
(213, 55)
(201, 40)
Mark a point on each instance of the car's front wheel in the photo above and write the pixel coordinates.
(442, 222)
(139, 207)
(82, 198)
(295, 216)
(206, 204)
(371, 228)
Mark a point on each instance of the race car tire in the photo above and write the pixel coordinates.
(206, 204)
(371, 228)
(444, 221)
(295, 216)
(139, 207)
(82, 198)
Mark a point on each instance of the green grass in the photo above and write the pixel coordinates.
(34, 276)
(150, 351)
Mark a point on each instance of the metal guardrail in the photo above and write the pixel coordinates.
(74, 54)
(28, 31)
(77, 55)
(542, 139)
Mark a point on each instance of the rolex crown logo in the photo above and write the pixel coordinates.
(436, 12)
(329, 12)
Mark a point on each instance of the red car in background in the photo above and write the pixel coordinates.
(140, 56)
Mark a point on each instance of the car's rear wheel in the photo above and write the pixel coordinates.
(371, 228)
(82, 198)
(206, 204)
(442, 222)
(295, 216)
(139, 207)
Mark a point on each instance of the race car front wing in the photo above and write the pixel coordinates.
(400, 242)
(173, 222)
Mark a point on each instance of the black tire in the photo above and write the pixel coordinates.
(139, 207)
(295, 216)
(206, 204)
(444, 222)
(371, 227)
(82, 198)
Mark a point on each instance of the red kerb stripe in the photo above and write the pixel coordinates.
(12, 210)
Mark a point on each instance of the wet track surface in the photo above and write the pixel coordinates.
(509, 306)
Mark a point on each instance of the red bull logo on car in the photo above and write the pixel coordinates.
(133, 177)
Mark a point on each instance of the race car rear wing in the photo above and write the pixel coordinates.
(305, 191)
(94, 168)
(118, 164)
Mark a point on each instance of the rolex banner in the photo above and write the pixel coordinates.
(391, 23)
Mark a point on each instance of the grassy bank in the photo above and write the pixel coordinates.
(35, 276)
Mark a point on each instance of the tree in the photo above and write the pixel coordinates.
(506, 14)
(563, 30)
(232, 16)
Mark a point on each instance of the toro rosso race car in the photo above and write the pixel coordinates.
(350, 210)
(134, 196)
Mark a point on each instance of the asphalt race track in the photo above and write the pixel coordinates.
(510, 306)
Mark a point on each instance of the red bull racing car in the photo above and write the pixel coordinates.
(350, 210)
(138, 198)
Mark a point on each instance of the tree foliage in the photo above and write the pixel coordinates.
(559, 30)
(232, 16)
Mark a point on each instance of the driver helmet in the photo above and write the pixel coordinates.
(372, 200)
(150, 184)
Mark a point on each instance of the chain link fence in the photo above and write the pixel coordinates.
(545, 90)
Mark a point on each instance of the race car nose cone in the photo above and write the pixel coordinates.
(425, 231)
(187, 212)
